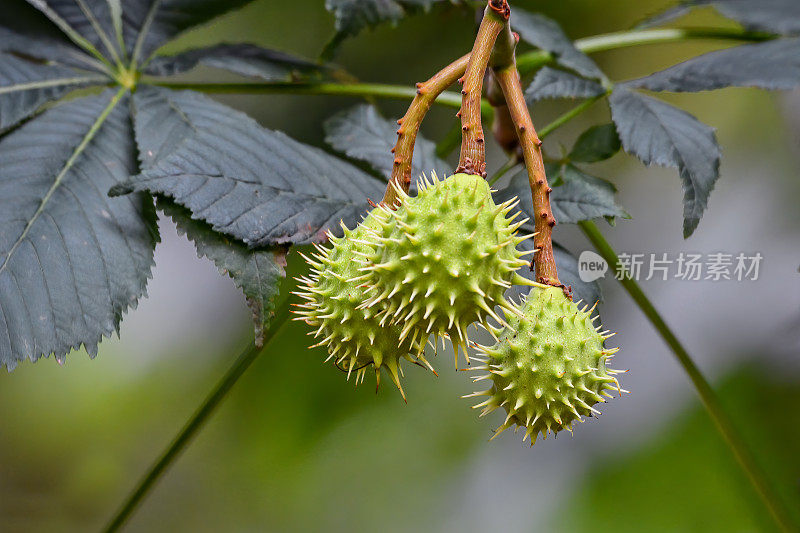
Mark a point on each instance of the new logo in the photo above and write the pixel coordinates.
(591, 266)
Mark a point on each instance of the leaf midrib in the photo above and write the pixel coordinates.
(43, 84)
(67, 166)
(318, 197)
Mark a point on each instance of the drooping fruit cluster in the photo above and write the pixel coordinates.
(443, 259)
(548, 366)
(439, 262)
(434, 265)
(333, 296)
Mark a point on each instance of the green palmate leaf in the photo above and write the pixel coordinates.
(577, 196)
(25, 86)
(256, 185)
(567, 264)
(769, 65)
(148, 24)
(257, 272)
(774, 16)
(658, 133)
(598, 143)
(245, 59)
(362, 133)
(552, 83)
(546, 34)
(72, 260)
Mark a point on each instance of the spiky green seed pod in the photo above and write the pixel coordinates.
(444, 258)
(547, 368)
(353, 336)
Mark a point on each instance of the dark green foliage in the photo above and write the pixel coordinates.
(239, 189)
(578, 197)
(46, 47)
(148, 24)
(362, 133)
(89, 22)
(553, 83)
(257, 272)
(244, 59)
(159, 124)
(546, 34)
(256, 185)
(660, 134)
(598, 143)
(352, 16)
(72, 260)
(769, 65)
(583, 197)
(778, 16)
(28, 85)
(772, 16)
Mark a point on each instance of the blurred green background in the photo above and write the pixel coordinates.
(296, 448)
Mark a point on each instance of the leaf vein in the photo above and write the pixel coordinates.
(71, 270)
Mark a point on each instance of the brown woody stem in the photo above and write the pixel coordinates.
(409, 125)
(507, 77)
(472, 159)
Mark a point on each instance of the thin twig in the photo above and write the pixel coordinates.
(613, 41)
(512, 162)
(449, 141)
(380, 90)
(195, 423)
(426, 93)
(569, 115)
